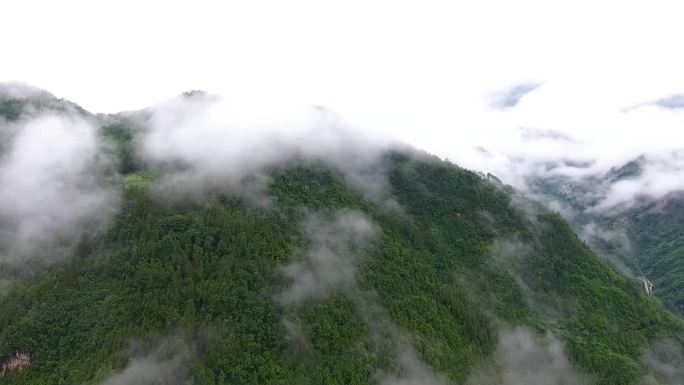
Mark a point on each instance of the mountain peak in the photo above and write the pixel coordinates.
(18, 90)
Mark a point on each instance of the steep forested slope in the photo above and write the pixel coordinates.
(646, 235)
(308, 280)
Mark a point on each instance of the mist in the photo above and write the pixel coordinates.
(522, 359)
(208, 140)
(666, 359)
(466, 78)
(525, 128)
(166, 365)
(558, 128)
(659, 175)
(414, 371)
(337, 245)
(330, 262)
(52, 187)
(18, 90)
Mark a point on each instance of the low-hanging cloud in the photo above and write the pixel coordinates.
(613, 245)
(659, 175)
(572, 128)
(666, 359)
(644, 178)
(167, 365)
(207, 139)
(511, 249)
(331, 261)
(618, 239)
(17, 90)
(51, 183)
(523, 360)
(414, 371)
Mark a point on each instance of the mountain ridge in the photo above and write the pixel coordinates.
(305, 272)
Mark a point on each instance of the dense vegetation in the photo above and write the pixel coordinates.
(209, 271)
(647, 236)
(657, 230)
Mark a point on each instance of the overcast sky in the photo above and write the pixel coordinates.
(536, 79)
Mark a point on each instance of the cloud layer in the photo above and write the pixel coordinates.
(208, 140)
(431, 85)
(572, 129)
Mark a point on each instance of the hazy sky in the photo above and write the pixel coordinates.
(444, 76)
(114, 55)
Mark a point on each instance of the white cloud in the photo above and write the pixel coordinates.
(16, 90)
(209, 139)
(50, 183)
(661, 174)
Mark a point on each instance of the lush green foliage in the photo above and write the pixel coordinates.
(654, 229)
(10, 109)
(210, 269)
(657, 230)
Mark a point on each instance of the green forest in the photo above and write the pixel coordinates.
(647, 237)
(459, 259)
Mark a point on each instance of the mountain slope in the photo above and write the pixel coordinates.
(645, 235)
(305, 278)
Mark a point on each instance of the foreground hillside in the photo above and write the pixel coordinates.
(296, 274)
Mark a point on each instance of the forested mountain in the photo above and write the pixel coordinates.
(315, 267)
(646, 235)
